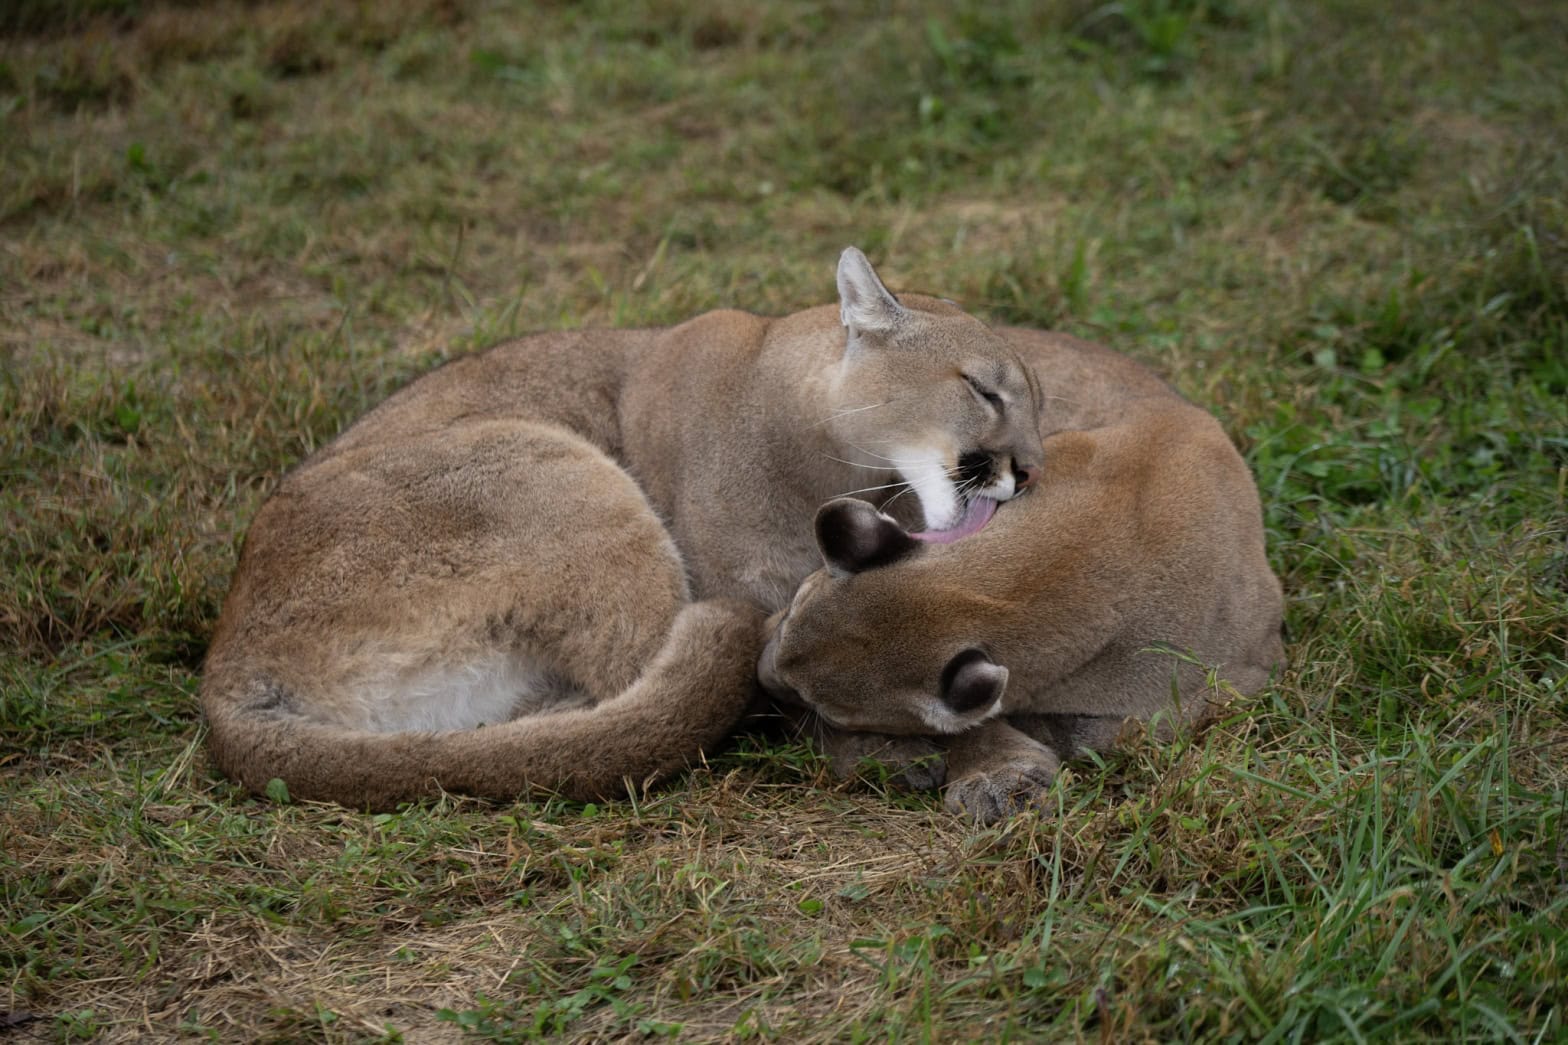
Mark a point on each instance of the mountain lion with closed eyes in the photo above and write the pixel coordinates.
(485, 585)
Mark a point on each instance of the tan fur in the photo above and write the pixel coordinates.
(468, 591)
(1136, 563)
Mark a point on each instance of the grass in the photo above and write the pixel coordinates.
(227, 229)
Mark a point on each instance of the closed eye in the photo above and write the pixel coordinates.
(991, 398)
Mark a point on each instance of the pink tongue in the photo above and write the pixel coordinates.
(976, 515)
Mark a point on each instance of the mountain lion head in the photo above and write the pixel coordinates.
(930, 395)
(880, 650)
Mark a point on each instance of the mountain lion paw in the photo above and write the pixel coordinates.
(907, 763)
(996, 794)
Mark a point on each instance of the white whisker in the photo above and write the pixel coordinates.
(871, 489)
(850, 493)
(898, 462)
(852, 410)
(888, 503)
(857, 464)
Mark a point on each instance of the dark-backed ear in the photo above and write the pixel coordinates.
(972, 681)
(865, 305)
(854, 536)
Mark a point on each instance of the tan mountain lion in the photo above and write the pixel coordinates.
(473, 588)
(1107, 594)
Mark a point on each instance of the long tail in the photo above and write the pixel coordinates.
(688, 698)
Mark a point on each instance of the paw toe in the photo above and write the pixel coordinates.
(987, 798)
(925, 774)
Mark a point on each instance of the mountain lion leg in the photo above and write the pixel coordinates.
(995, 771)
(1077, 735)
(494, 612)
(911, 763)
(689, 697)
(905, 763)
(509, 554)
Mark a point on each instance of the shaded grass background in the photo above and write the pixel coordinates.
(227, 229)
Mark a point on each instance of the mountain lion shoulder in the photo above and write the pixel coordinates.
(473, 588)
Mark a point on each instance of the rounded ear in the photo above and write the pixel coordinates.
(865, 304)
(854, 536)
(972, 681)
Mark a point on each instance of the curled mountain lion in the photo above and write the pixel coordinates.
(485, 548)
(1136, 562)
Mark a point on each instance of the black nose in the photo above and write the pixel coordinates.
(1024, 475)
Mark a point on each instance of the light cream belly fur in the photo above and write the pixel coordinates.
(482, 691)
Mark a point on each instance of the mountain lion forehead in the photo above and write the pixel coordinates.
(1031, 381)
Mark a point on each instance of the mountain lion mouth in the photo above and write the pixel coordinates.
(977, 513)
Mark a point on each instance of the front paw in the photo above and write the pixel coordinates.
(906, 763)
(995, 794)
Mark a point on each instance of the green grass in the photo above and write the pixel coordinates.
(228, 229)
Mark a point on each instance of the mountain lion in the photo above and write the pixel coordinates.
(473, 588)
(1135, 565)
